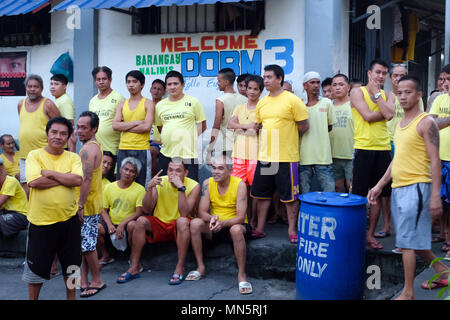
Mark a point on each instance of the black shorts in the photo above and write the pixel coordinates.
(369, 166)
(190, 164)
(62, 239)
(11, 223)
(224, 234)
(282, 176)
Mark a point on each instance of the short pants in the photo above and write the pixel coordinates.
(89, 233)
(11, 223)
(224, 234)
(244, 169)
(161, 231)
(342, 169)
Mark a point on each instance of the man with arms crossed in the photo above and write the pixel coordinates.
(170, 201)
(415, 192)
(221, 216)
(90, 203)
(371, 108)
(283, 117)
(53, 175)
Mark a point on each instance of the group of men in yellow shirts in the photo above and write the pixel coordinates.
(118, 130)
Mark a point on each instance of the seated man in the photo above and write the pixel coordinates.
(172, 199)
(13, 205)
(221, 216)
(9, 156)
(122, 203)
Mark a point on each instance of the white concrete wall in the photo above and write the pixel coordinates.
(40, 60)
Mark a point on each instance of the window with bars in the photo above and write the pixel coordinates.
(217, 17)
(26, 29)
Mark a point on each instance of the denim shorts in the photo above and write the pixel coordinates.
(342, 169)
(323, 173)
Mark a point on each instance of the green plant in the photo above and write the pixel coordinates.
(437, 275)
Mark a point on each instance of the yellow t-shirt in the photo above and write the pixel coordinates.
(56, 204)
(411, 162)
(341, 137)
(94, 201)
(230, 101)
(122, 203)
(105, 182)
(166, 208)
(154, 134)
(179, 121)
(245, 147)
(399, 113)
(12, 168)
(441, 108)
(224, 206)
(17, 200)
(32, 133)
(370, 135)
(66, 107)
(315, 145)
(279, 137)
(106, 110)
(130, 140)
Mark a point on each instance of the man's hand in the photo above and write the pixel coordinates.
(208, 156)
(176, 181)
(214, 224)
(156, 180)
(373, 195)
(47, 174)
(435, 206)
(80, 213)
(120, 230)
(111, 229)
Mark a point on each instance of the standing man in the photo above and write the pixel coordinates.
(225, 106)
(34, 113)
(315, 148)
(415, 191)
(157, 91)
(371, 108)
(90, 203)
(181, 119)
(341, 137)
(58, 87)
(283, 117)
(9, 156)
(221, 216)
(326, 88)
(134, 119)
(440, 111)
(170, 202)
(55, 229)
(104, 104)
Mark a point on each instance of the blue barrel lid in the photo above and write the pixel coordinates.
(333, 199)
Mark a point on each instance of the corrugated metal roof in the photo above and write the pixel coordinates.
(14, 7)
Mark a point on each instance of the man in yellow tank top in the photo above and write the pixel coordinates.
(134, 119)
(221, 216)
(371, 108)
(90, 203)
(104, 104)
(9, 156)
(34, 113)
(416, 180)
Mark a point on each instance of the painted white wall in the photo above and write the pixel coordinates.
(40, 61)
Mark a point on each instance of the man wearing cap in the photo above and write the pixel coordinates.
(315, 147)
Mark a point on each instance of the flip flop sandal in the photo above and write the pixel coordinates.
(179, 277)
(436, 283)
(194, 276)
(243, 285)
(382, 234)
(127, 276)
(97, 290)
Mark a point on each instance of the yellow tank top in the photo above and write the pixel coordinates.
(134, 141)
(94, 201)
(32, 129)
(411, 162)
(370, 135)
(224, 206)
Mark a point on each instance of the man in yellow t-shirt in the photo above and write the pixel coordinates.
(122, 203)
(440, 110)
(134, 120)
(225, 105)
(181, 119)
(107, 164)
(9, 156)
(315, 147)
(58, 87)
(53, 176)
(221, 216)
(104, 104)
(341, 137)
(170, 202)
(13, 205)
(282, 116)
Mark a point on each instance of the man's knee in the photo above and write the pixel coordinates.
(196, 225)
(183, 224)
(237, 232)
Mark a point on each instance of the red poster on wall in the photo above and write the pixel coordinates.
(13, 71)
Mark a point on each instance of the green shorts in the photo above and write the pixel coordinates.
(342, 169)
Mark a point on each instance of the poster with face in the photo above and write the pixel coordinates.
(13, 71)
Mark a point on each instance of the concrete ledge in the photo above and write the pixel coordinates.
(15, 246)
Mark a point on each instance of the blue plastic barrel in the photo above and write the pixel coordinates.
(331, 246)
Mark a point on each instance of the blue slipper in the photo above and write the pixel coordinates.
(127, 276)
(179, 279)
